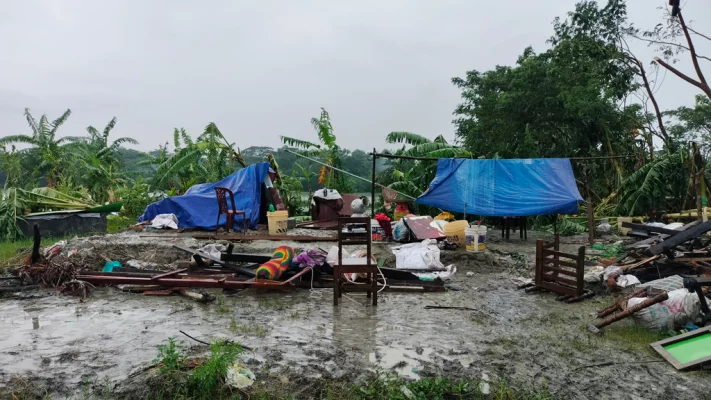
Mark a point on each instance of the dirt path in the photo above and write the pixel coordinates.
(527, 338)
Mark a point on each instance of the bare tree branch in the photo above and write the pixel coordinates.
(698, 33)
(681, 46)
(692, 50)
(685, 77)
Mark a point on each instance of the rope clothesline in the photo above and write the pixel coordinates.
(349, 174)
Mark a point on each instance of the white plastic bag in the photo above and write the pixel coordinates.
(165, 221)
(674, 313)
(424, 255)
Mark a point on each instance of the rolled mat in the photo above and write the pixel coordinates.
(279, 263)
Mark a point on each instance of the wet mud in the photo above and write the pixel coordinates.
(526, 338)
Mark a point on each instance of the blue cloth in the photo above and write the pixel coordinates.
(197, 208)
(504, 188)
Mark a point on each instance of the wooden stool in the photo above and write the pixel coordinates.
(355, 265)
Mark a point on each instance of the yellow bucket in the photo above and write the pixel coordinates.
(278, 223)
(455, 232)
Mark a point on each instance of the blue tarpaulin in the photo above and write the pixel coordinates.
(197, 208)
(504, 188)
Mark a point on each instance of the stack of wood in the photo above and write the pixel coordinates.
(663, 252)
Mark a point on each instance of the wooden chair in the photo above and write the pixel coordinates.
(355, 265)
(221, 194)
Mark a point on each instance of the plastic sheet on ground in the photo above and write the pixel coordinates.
(214, 250)
(423, 255)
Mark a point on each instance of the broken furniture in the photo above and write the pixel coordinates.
(230, 213)
(355, 231)
(688, 350)
(560, 272)
(514, 222)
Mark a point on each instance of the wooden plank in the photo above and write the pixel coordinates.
(650, 228)
(573, 273)
(552, 278)
(639, 264)
(684, 236)
(560, 263)
(171, 273)
(240, 237)
(581, 271)
(539, 262)
(561, 254)
(558, 288)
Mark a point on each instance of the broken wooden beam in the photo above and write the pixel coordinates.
(283, 238)
(682, 237)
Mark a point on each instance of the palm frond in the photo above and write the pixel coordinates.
(32, 121)
(120, 141)
(17, 139)
(72, 139)
(450, 152)
(324, 128)
(59, 121)
(298, 143)
(178, 162)
(440, 139)
(108, 128)
(424, 150)
(407, 138)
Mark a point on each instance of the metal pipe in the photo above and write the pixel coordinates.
(172, 282)
(631, 310)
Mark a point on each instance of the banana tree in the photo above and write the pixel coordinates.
(414, 176)
(45, 145)
(327, 151)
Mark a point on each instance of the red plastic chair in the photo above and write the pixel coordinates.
(221, 194)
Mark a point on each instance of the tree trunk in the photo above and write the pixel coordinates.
(657, 111)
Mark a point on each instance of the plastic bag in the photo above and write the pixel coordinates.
(424, 255)
(400, 232)
(672, 314)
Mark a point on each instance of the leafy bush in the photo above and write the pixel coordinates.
(169, 356)
(210, 376)
(290, 193)
(135, 199)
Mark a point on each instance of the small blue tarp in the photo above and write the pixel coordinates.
(504, 188)
(197, 208)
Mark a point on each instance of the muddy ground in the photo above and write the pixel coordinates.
(529, 339)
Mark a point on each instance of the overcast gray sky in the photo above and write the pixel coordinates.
(260, 69)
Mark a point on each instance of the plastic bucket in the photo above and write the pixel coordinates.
(455, 232)
(278, 222)
(476, 237)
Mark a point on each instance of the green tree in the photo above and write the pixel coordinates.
(693, 124)
(45, 146)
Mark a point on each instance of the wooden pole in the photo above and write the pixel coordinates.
(372, 187)
(588, 200)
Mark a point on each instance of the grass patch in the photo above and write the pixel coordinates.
(272, 303)
(115, 223)
(252, 329)
(634, 338)
(386, 386)
(205, 381)
(221, 304)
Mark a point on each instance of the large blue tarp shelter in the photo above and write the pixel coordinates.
(504, 188)
(197, 208)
